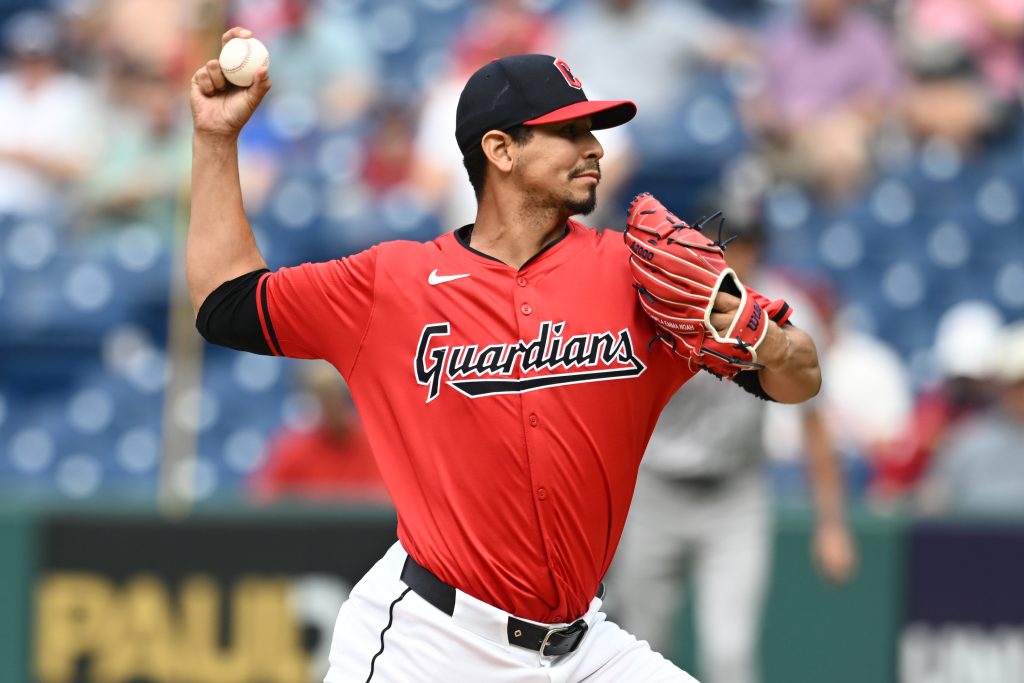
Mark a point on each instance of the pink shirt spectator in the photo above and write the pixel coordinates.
(810, 73)
(1000, 59)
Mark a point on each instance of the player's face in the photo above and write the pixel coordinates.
(558, 166)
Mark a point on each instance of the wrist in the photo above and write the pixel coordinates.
(214, 139)
(774, 350)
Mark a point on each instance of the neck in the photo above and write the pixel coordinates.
(514, 233)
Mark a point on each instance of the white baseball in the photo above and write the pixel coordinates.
(239, 59)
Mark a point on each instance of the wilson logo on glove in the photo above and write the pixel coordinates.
(755, 318)
(678, 273)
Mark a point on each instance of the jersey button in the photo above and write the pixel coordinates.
(521, 281)
(542, 493)
(526, 309)
(533, 420)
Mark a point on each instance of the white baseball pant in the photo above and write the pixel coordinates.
(387, 633)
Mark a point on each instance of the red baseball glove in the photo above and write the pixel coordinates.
(678, 272)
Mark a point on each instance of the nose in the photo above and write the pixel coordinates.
(593, 149)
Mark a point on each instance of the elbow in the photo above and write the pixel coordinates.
(793, 386)
(804, 368)
(197, 292)
(813, 382)
(807, 385)
(202, 319)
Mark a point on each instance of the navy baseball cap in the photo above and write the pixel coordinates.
(528, 90)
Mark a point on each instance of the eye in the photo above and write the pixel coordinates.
(570, 131)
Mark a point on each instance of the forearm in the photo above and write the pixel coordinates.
(824, 475)
(791, 373)
(220, 243)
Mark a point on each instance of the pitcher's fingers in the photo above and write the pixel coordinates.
(205, 82)
(236, 32)
(721, 322)
(726, 302)
(260, 86)
(216, 75)
(195, 76)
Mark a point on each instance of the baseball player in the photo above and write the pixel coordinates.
(504, 375)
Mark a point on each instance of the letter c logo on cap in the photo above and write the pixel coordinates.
(567, 74)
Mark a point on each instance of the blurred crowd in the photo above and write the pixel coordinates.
(806, 118)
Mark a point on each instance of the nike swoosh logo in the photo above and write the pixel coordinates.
(436, 279)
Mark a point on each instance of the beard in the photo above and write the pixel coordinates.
(572, 201)
(586, 205)
(582, 206)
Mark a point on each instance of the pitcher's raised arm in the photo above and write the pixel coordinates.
(220, 242)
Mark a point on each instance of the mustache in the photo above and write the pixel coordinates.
(587, 168)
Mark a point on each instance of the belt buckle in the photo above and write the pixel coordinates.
(577, 628)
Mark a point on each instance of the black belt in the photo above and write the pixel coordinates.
(703, 483)
(547, 641)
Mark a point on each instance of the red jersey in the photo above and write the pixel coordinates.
(508, 409)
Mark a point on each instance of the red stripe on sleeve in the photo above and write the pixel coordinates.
(261, 306)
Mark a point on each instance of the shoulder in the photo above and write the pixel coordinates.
(604, 240)
(604, 245)
(404, 250)
(396, 254)
(396, 247)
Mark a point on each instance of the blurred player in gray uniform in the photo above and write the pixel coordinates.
(703, 507)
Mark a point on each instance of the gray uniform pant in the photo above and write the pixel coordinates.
(720, 536)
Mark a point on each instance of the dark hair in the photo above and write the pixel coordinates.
(476, 162)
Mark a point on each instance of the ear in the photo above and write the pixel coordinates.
(498, 147)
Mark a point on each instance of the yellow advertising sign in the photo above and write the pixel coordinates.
(141, 629)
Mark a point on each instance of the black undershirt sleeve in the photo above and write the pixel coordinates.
(750, 382)
(229, 317)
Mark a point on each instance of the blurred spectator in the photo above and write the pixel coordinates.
(865, 393)
(702, 507)
(322, 53)
(830, 78)
(967, 58)
(865, 399)
(326, 78)
(146, 156)
(497, 29)
(980, 467)
(965, 350)
(648, 48)
(329, 460)
(47, 120)
(388, 146)
(148, 32)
